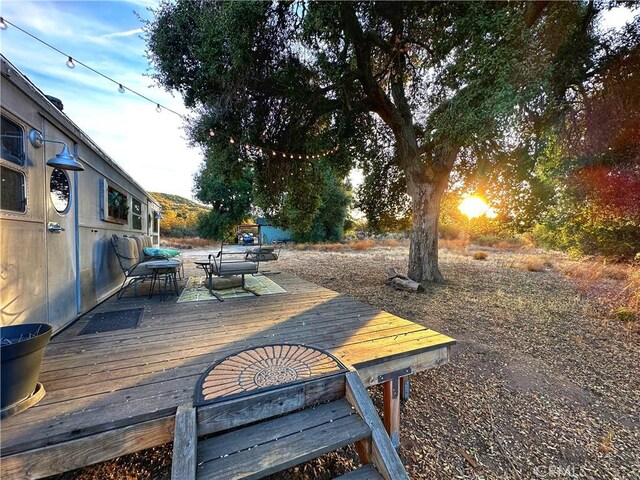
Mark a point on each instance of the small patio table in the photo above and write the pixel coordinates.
(170, 280)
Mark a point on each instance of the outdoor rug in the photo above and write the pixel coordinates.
(115, 320)
(196, 289)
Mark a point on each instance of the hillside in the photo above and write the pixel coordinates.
(179, 214)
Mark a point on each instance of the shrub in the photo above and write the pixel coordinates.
(534, 264)
(480, 255)
(625, 314)
(487, 240)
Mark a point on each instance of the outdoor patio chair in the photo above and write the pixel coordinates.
(135, 271)
(229, 263)
(264, 253)
(145, 244)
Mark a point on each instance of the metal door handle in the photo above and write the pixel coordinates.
(54, 227)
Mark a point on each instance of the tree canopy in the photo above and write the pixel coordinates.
(407, 90)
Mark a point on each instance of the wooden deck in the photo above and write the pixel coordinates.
(114, 393)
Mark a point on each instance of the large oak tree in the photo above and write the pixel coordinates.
(440, 81)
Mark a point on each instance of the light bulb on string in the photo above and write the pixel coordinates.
(70, 63)
(3, 24)
(273, 153)
(231, 140)
(212, 133)
(158, 108)
(121, 89)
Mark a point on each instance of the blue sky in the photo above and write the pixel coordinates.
(106, 36)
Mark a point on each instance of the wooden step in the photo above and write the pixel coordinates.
(275, 445)
(367, 472)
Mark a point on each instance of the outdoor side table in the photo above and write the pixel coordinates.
(165, 277)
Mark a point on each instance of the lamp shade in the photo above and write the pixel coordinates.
(65, 161)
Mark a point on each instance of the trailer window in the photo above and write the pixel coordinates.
(12, 139)
(136, 214)
(118, 204)
(12, 192)
(59, 189)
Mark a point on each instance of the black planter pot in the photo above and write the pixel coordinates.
(21, 355)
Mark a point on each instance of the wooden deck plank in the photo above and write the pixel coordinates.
(275, 445)
(103, 383)
(173, 346)
(118, 407)
(148, 386)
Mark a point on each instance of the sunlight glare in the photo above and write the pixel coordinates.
(473, 206)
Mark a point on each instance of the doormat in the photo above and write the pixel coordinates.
(263, 368)
(196, 289)
(110, 321)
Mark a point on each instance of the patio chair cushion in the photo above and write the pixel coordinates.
(261, 249)
(146, 241)
(160, 252)
(233, 268)
(144, 268)
(127, 249)
(140, 245)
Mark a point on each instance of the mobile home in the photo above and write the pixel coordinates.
(55, 224)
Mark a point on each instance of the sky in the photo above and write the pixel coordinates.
(106, 35)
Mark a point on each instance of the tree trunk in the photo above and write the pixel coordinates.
(423, 250)
(426, 184)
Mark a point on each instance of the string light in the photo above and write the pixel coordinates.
(71, 63)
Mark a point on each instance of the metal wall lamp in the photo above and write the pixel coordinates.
(63, 160)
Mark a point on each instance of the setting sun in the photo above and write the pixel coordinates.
(473, 207)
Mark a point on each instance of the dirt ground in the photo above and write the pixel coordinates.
(543, 382)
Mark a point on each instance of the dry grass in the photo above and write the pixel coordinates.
(633, 289)
(360, 245)
(618, 284)
(533, 263)
(357, 245)
(594, 269)
(480, 255)
(187, 243)
(540, 377)
(390, 243)
(453, 244)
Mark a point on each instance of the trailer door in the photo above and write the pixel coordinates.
(60, 223)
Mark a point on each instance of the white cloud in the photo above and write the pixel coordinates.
(128, 33)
